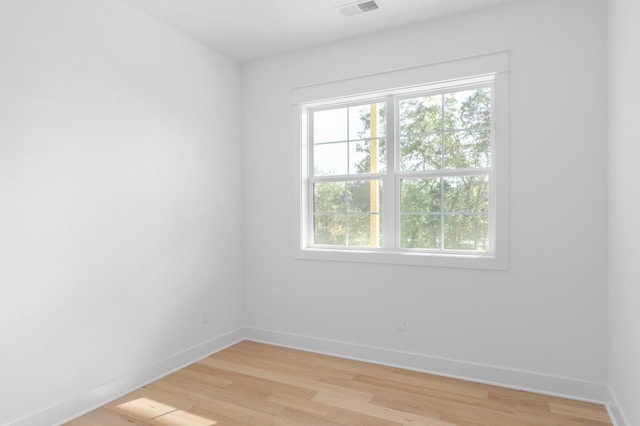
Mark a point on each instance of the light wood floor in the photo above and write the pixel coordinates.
(256, 384)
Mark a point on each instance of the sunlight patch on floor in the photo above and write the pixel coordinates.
(158, 413)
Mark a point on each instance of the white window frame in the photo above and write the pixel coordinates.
(434, 77)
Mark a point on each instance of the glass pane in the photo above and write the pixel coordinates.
(364, 196)
(330, 125)
(421, 152)
(467, 109)
(365, 230)
(360, 121)
(329, 197)
(360, 156)
(420, 195)
(466, 233)
(466, 194)
(420, 231)
(467, 149)
(420, 115)
(330, 159)
(330, 229)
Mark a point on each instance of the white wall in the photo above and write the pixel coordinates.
(547, 314)
(624, 201)
(121, 183)
(120, 162)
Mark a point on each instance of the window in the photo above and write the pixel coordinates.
(406, 176)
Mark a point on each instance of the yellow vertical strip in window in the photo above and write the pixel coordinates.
(374, 201)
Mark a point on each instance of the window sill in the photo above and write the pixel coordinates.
(467, 261)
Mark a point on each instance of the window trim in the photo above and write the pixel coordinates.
(497, 258)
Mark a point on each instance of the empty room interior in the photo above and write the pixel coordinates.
(179, 178)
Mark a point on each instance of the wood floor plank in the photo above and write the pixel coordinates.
(146, 408)
(293, 417)
(257, 384)
(287, 378)
(385, 413)
(217, 416)
(405, 377)
(233, 377)
(351, 418)
(281, 366)
(446, 393)
(103, 417)
(182, 418)
(418, 399)
(584, 411)
(300, 404)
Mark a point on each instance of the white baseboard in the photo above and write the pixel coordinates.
(615, 411)
(107, 392)
(515, 379)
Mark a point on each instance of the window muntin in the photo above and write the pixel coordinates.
(347, 213)
(343, 140)
(446, 213)
(431, 167)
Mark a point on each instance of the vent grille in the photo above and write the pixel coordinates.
(357, 8)
(368, 6)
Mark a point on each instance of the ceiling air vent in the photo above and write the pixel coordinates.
(356, 8)
(368, 6)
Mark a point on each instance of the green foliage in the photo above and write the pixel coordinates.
(450, 131)
(343, 214)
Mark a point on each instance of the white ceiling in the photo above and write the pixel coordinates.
(250, 29)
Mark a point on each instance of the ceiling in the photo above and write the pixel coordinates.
(246, 30)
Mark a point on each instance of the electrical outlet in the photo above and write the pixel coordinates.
(401, 323)
(204, 317)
